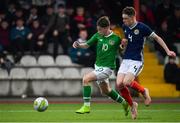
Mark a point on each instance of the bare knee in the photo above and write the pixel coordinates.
(86, 80)
(127, 81)
(119, 81)
(119, 85)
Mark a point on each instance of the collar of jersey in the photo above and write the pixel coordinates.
(133, 25)
(109, 34)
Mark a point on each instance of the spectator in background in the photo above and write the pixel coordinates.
(49, 14)
(147, 16)
(4, 62)
(37, 42)
(79, 21)
(11, 12)
(174, 25)
(91, 28)
(19, 36)
(4, 35)
(172, 72)
(85, 57)
(45, 21)
(5, 46)
(165, 34)
(18, 14)
(32, 16)
(97, 7)
(57, 3)
(41, 2)
(70, 14)
(164, 10)
(59, 24)
(2, 16)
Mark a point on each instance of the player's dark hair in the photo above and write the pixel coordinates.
(103, 21)
(83, 29)
(130, 11)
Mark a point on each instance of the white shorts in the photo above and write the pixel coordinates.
(131, 66)
(102, 74)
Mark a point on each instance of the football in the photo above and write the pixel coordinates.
(40, 104)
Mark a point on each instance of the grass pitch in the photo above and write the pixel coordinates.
(111, 112)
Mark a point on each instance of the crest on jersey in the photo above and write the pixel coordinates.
(111, 42)
(136, 31)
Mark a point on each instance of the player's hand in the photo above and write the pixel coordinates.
(123, 43)
(76, 44)
(171, 53)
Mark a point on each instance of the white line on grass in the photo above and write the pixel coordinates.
(143, 110)
(89, 122)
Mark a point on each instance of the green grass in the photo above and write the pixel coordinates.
(99, 113)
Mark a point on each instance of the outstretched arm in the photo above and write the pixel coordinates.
(77, 44)
(163, 45)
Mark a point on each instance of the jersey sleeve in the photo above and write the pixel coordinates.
(147, 30)
(92, 40)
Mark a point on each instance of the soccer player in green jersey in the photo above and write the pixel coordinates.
(107, 45)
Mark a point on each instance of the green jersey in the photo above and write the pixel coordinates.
(106, 49)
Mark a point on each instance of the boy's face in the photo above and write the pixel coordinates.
(49, 11)
(19, 23)
(4, 25)
(103, 30)
(83, 34)
(61, 10)
(80, 11)
(36, 24)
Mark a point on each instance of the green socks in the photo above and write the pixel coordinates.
(116, 97)
(113, 94)
(87, 95)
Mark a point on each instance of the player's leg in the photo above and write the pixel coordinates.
(136, 68)
(107, 90)
(135, 85)
(127, 80)
(119, 82)
(144, 91)
(87, 79)
(122, 88)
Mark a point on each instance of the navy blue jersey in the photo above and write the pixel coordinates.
(136, 36)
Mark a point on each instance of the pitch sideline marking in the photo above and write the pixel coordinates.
(89, 122)
(144, 110)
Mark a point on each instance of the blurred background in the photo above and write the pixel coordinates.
(36, 54)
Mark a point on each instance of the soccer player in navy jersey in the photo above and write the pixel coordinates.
(133, 60)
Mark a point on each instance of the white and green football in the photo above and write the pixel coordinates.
(40, 104)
